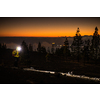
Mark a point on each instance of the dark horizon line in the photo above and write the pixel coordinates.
(44, 37)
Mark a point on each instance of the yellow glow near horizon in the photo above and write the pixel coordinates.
(43, 33)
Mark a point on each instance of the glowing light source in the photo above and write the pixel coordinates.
(53, 43)
(18, 49)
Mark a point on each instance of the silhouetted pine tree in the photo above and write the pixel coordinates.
(24, 47)
(66, 43)
(4, 46)
(77, 43)
(66, 51)
(24, 53)
(30, 47)
(43, 50)
(95, 44)
(86, 51)
(48, 50)
(39, 47)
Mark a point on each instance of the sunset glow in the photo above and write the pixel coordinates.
(47, 27)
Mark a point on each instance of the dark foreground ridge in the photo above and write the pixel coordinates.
(20, 76)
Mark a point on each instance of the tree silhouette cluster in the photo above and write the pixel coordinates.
(41, 49)
(3, 46)
(86, 51)
(77, 43)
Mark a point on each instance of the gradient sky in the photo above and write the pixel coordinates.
(47, 26)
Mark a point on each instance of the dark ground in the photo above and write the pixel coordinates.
(19, 76)
(57, 64)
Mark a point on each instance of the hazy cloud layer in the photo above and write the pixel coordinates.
(12, 45)
(12, 42)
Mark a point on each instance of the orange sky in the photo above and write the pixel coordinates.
(47, 27)
(43, 33)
